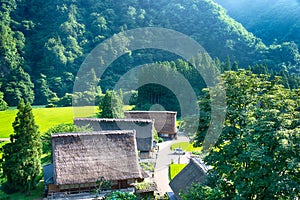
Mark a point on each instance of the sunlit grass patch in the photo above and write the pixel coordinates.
(44, 117)
(174, 169)
(186, 146)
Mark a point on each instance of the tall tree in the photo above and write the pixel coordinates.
(21, 157)
(256, 156)
(111, 106)
(227, 65)
(42, 91)
(235, 66)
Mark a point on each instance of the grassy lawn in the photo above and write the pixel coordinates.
(186, 146)
(174, 169)
(128, 107)
(47, 117)
(178, 122)
(44, 117)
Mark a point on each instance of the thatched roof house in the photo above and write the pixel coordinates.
(164, 121)
(194, 172)
(79, 159)
(144, 129)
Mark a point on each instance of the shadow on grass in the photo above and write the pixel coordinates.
(36, 194)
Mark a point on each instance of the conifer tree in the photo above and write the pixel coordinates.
(111, 105)
(21, 157)
(42, 91)
(227, 65)
(235, 66)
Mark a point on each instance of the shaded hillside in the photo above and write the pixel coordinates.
(49, 40)
(273, 21)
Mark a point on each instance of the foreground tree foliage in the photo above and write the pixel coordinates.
(121, 195)
(257, 153)
(21, 157)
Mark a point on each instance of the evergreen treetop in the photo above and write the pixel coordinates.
(111, 105)
(21, 157)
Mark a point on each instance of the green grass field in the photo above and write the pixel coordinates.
(44, 117)
(186, 146)
(174, 169)
(47, 117)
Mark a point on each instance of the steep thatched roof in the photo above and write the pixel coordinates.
(144, 128)
(84, 157)
(164, 121)
(194, 172)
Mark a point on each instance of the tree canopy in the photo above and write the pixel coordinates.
(111, 105)
(54, 38)
(256, 156)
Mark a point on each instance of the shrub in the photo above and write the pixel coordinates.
(121, 195)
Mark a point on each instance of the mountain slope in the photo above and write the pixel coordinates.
(273, 21)
(58, 34)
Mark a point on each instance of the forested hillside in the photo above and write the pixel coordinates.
(273, 21)
(43, 43)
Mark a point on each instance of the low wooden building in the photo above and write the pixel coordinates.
(80, 159)
(164, 121)
(144, 130)
(194, 172)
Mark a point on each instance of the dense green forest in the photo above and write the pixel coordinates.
(43, 44)
(274, 21)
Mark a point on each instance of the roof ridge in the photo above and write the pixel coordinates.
(115, 119)
(90, 133)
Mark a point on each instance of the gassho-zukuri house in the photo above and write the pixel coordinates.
(164, 121)
(144, 130)
(79, 159)
(194, 172)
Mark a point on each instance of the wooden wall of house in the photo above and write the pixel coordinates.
(88, 187)
(145, 154)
